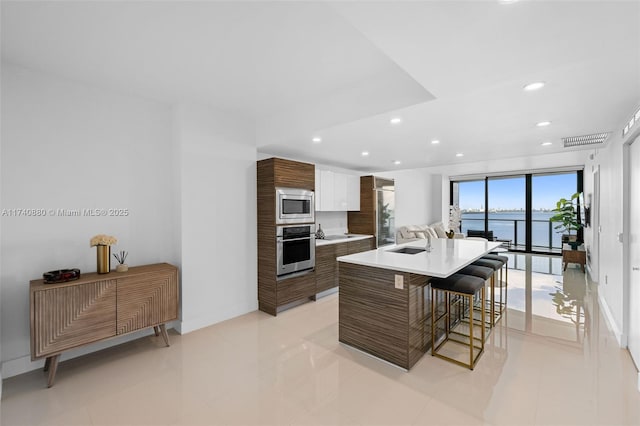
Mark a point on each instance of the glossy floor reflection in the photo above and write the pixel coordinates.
(551, 361)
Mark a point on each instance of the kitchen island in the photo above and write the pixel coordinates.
(385, 302)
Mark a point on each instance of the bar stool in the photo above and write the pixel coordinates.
(485, 273)
(502, 304)
(464, 287)
(495, 265)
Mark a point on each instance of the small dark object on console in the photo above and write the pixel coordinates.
(61, 276)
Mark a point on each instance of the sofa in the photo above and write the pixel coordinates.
(405, 234)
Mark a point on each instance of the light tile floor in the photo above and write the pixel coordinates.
(540, 367)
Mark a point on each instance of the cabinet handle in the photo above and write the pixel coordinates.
(635, 268)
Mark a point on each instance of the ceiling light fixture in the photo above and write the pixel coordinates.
(365, 153)
(396, 120)
(507, 1)
(459, 154)
(435, 142)
(534, 86)
(547, 143)
(543, 123)
(397, 162)
(316, 140)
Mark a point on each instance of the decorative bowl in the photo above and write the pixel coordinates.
(61, 276)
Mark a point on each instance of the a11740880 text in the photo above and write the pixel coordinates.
(65, 212)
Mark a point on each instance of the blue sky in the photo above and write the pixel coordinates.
(510, 193)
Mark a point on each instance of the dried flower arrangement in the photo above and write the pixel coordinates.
(103, 240)
(121, 257)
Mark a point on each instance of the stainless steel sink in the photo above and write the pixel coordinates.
(408, 250)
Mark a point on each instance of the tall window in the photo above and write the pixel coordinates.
(515, 209)
(471, 202)
(546, 190)
(507, 210)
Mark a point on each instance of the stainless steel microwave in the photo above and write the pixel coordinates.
(294, 205)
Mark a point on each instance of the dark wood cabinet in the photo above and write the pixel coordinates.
(278, 172)
(273, 173)
(327, 265)
(364, 221)
(361, 245)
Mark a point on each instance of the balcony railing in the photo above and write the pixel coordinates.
(544, 238)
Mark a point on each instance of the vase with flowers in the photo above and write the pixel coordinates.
(121, 257)
(103, 245)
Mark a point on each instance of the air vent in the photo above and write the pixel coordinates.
(595, 139)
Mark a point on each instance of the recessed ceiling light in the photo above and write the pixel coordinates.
(396, 120)
(435, 142)
(534, 86)
(507, 1)
(316, 140)
(547, 143)
(397, 162)
(543, 123)
(365, 153)
(459, 154)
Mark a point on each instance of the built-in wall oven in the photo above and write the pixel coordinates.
(296, 249)
(294, 205)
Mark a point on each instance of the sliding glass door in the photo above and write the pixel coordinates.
(515, 209)
(546, 190)
(507, 210)
(471, 200)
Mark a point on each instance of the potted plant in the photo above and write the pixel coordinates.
(567, 213)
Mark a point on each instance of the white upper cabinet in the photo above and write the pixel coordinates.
(337, 191)
(326, 191)
(317, 191)
(340, 192)
(353, 193)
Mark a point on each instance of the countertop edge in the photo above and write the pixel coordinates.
(400, 268)
(342, 240)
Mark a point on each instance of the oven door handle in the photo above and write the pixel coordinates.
(280, 239)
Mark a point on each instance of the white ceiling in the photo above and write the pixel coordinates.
(453, 70)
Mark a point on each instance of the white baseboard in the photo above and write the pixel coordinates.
(24, 364)
(187, 326)
(608, 316)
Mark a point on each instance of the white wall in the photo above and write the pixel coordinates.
(69, 146)
(611, 267)
(218, 218)
(418, 196)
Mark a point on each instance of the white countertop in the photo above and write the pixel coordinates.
(445, 258)
(344, 239)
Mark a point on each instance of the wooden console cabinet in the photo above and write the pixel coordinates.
(100, 306)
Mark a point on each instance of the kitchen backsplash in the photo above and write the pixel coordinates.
(333, 223)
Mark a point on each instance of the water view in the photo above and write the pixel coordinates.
(510, 226)
(505, 200)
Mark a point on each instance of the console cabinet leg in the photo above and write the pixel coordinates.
(47, 363)
(52, 366)
(165, 336)
(156, 330)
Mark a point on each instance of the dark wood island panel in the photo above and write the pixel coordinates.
(380, 319)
